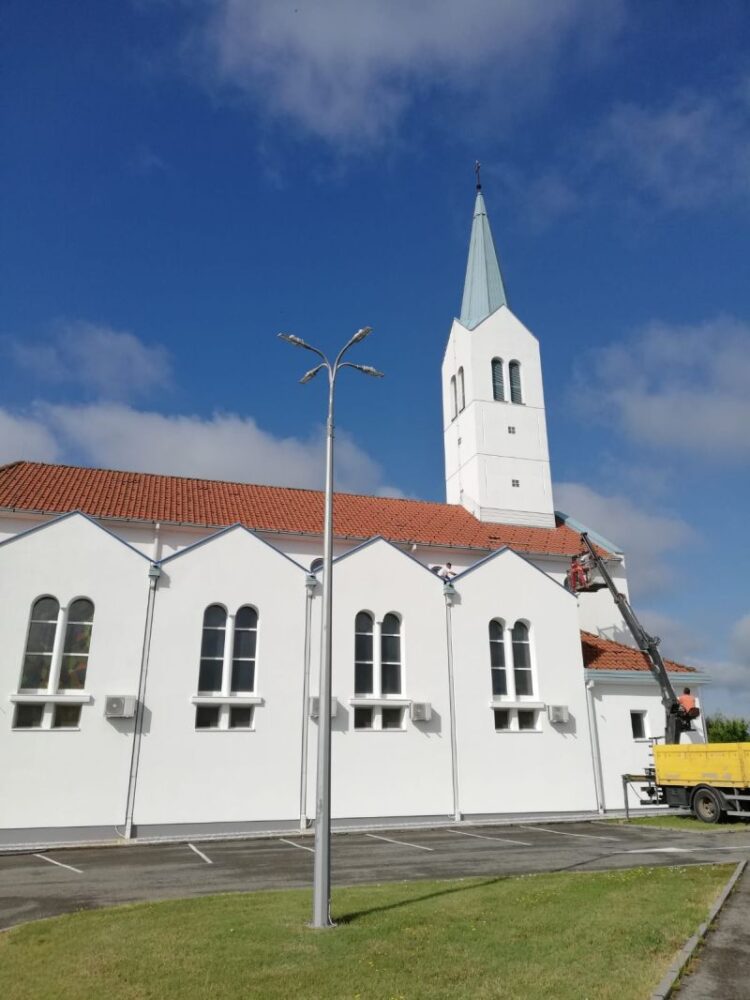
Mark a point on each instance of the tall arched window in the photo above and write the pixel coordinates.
(497, 658)
(243, 651)
(212, 648)
(498, 383)
(363, 630)
(514, 374)
(522, 659)
(41, 639)
(454, 398)
(390, 655)
(461, 390)
(77, 641)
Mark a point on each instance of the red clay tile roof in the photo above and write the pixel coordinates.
(604, 654)
(57, 489)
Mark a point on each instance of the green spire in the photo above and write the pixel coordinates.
(483, 288)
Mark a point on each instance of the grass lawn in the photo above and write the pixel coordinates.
(577, 936)
(688, 823)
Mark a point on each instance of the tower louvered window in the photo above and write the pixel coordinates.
(454, 401)
(498, 384)
(461, 390)
(514, 372)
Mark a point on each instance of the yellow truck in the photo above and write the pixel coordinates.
(711, 779)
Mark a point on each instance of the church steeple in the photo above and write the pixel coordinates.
(484, 291)
(494, 423)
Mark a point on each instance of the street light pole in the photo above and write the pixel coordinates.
(322, 869)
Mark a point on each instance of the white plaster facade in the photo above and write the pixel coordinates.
(496, 452)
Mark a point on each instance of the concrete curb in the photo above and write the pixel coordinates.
(674, 972)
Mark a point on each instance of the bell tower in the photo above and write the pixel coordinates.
(495, 428)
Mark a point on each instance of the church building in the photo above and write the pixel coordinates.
(160, 636)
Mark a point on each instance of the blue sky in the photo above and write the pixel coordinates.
(181, 180)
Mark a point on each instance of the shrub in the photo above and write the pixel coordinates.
(724, 730)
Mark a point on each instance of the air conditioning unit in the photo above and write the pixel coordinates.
(119, 706)
(558, 714)
(315, 707)
(420, 711)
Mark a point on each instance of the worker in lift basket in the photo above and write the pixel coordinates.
(576, 578)
(688, 709)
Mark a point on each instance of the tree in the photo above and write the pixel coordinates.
(724, 730)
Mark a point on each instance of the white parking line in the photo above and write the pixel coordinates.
(292, 844)
(58, 863)
(661, 850)
(402, 843)
(482, 836)
(200, 854)
(560, 833)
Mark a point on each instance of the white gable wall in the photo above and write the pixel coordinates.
(389, 773)
(57, 778)
(520, 771)
(209, 776)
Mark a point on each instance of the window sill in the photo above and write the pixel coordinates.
(74, 698)
(519, 732)
(41, 729)
(515, 703)
(217, 729)
(224, 699)
(393, 701)
(401, 730)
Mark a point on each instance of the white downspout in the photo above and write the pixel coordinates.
(596, 754)
(154, 572)
(310, 584)
(452, 700)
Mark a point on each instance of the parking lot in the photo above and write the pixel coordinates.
(60, 881)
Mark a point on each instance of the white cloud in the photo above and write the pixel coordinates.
(348, 71)
(684, 154)
(102, 362)
(223, 446)
(23, 437)
(677, 387)
(646, 537)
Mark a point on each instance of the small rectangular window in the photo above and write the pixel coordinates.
(515, 482)
(28, 717)
(638, 725)
(392, 718)
(207, 717)
(66, 717)
(526, 719)
(363, 718)
(241, 717)
(502, 719)
(511, 430)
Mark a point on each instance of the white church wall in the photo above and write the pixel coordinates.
(71, 777)
(622, 753)
(506, 772)
(404, 772)
(190, 775)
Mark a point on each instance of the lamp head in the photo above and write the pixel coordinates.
(291, 339)
(365, 331)
(311, 374)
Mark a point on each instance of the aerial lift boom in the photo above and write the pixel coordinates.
(648, 644)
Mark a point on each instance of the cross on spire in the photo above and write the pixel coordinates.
(477, 168)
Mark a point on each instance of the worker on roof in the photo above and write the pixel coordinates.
(576, 578)
(447, 572)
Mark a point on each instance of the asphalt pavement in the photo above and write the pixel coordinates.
(35, 885)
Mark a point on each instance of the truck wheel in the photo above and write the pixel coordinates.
(707, 806)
